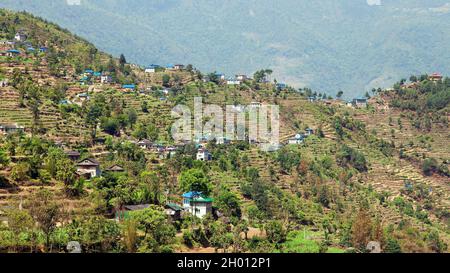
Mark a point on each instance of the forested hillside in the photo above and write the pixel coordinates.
(327, 45)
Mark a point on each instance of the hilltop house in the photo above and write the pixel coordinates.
(435, 77)
(10, 128)
(359, 103)
(220, 76)
(281, 86)
(241, 77)
(89, 168)
(178, 67)
(197, 203)
(233, 81)
(203, 155)
(151, 68)
(312, 99)
(20, 37)
(298, 139)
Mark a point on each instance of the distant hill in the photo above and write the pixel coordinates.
(327, 45)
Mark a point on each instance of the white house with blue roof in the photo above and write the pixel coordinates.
(197, 203)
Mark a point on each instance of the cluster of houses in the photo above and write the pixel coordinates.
(8, 48)
(354, 103)
(435, 77)
(153, 68)
(90, 75)
(194, 203)
(299, 138)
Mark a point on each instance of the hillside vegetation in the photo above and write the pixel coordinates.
(365, 174)
(328, 45)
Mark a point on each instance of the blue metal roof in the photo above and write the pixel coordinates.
(129, 86)
(192, 194)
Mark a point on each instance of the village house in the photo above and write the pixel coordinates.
(178, 67)
(145, 144)
(20, 37)
(296, 140)
(151, 68)
(83, 97)
(12, 52)
(281, 86)
(435, 77)
(197, 203)
(222, 140)
(171, 151)
(173, 210)
(359, 103)
(4, 83)
(89, 71)
(73, 155)
(10, 128)
(89, 168)
(233, 81)
(105, 78)
(115, 169)
(170, 67)
(309, 131)
(204, 155)
(241, 77)
(312, 99)
(220, 76)
(255, 104)
(129, 87)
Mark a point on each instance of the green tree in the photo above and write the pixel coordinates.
(46, 212)
(195, 180)
(165, 80)
(276, 233)
(158, 232)
(19, 222)
(4, 158)
(132, 117)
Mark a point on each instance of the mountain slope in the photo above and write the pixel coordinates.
(328, 45)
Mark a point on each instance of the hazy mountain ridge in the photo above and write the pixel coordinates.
(329, 45)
